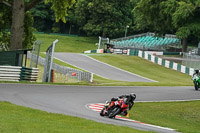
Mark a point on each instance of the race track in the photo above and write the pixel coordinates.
(73, 100)
(99, 68)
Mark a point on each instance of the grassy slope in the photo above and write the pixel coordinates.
(183, 116)
(67, 43)
(164, 76)
(23, 119)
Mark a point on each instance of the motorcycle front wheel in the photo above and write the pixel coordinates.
(102, 112)
(114, 112)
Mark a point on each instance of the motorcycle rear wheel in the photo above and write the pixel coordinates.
(196, 86)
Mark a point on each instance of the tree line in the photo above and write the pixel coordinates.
(107, 18)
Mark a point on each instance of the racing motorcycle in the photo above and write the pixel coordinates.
(196, 80)
(113, 108)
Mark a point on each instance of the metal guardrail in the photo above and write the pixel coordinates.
(10, 73)
(15, 73)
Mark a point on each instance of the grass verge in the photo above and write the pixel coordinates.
(15, 119)
(183, 116)
(67, 43)
(139, 66)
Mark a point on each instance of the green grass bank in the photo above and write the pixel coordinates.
(142, 67)
(67, 43)
(183, 116)
(18, 119)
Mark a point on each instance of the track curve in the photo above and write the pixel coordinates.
(99, 68)
(70, 100)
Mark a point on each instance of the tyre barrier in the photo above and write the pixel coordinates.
(29, 74)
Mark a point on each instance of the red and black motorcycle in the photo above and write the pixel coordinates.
(113, 108)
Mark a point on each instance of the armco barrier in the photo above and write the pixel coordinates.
(15, 73)
(10, 73)
(166, 63)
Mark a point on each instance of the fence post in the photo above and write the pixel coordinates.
(91, 78)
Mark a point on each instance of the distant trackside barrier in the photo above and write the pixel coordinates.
(165, 63)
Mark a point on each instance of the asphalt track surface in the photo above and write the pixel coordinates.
(104, 70)
(73, 100)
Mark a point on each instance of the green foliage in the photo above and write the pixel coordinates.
(148, 14)
(186, 18)
(5, 21)
(60, 8)
(4, 41)
(29, 37)
(180, 17)
(43, 17)
(107, 18)
(183, 32)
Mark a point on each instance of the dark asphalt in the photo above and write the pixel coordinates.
(104, 70)
(72, 100)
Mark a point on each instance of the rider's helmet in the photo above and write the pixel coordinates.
(197, 71)
(133, 96)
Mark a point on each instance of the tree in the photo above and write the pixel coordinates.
(107, 18)
(43, 17)
(5, 22)
(148, 15)
(181, 17)
(19, 7)
(185, 15)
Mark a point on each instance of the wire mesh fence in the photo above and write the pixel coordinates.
(191, 60)
(35, 54)
(66, 74)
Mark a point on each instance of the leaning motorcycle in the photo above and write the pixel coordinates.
(113, 108)
(196, 81)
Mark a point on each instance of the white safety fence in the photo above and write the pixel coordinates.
(166, 63)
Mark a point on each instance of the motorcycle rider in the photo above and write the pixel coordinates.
(196, 71)
(129, 100)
